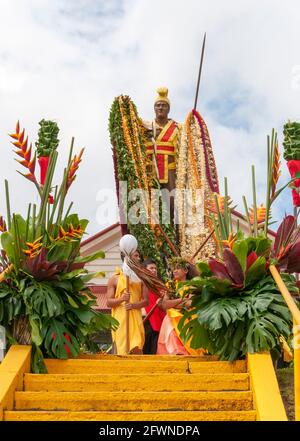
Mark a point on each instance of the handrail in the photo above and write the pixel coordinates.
(296, 331)
(286, 294)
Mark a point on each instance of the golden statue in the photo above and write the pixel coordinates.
(162, 138)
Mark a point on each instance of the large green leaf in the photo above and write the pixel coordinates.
(256, 271)
(43, 300)
(240, 250)
(88, 277)
(219, 313)
(4, 291)
(263, 246)
(72, 274)
(35, 332)
(72, 302)
(8, 244)
(204, 269)
(56, 340)
(37, 361)
(21, 225)
(90, 258)
(59, 251)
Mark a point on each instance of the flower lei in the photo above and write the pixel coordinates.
(194, 155)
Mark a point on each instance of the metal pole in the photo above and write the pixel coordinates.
(296, 332)
(199, 73)
(127, 319)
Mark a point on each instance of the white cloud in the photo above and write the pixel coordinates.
(67, 60)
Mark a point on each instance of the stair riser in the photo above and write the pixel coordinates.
(126, 416)
(169, 358)
(214, 367)
(142, 405)
(134, 401)
(134, 383)
(141, 367)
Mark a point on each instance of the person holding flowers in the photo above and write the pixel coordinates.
(169, 341)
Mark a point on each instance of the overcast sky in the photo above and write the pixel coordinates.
(67, 59)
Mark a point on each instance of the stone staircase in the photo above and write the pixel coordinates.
(146, 388)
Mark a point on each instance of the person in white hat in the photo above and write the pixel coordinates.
(127, 305)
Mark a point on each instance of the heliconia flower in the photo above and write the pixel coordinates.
(34, 248)
(73, 233)
(73, 168)
(276, 169)
(221, 203)
(260, 214)
(24, 152)
(230, 241)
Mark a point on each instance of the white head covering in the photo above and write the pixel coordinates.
(128, 245)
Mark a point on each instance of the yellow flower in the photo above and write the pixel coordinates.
(71, 233)
(34, 248)
(260, 214)
(230, 241)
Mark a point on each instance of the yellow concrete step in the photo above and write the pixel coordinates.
(113, 366)
(249, 415)
(137, 401)
(212, 367)
(136, 382)
(149, 357)
(78, 366)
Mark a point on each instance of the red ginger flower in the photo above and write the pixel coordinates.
(24, 152)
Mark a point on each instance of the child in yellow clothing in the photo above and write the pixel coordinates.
(120, 301)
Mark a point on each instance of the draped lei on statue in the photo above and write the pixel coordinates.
(197, 172)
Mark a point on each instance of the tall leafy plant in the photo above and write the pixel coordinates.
(236, 305)
(44, 297)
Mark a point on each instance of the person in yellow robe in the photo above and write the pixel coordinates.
(120, 301)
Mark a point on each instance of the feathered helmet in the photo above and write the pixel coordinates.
(162, 95)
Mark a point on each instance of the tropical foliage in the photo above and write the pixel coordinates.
(44, 299)
(236, 305)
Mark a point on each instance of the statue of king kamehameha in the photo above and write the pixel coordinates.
(165, 156)
(162, 139)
